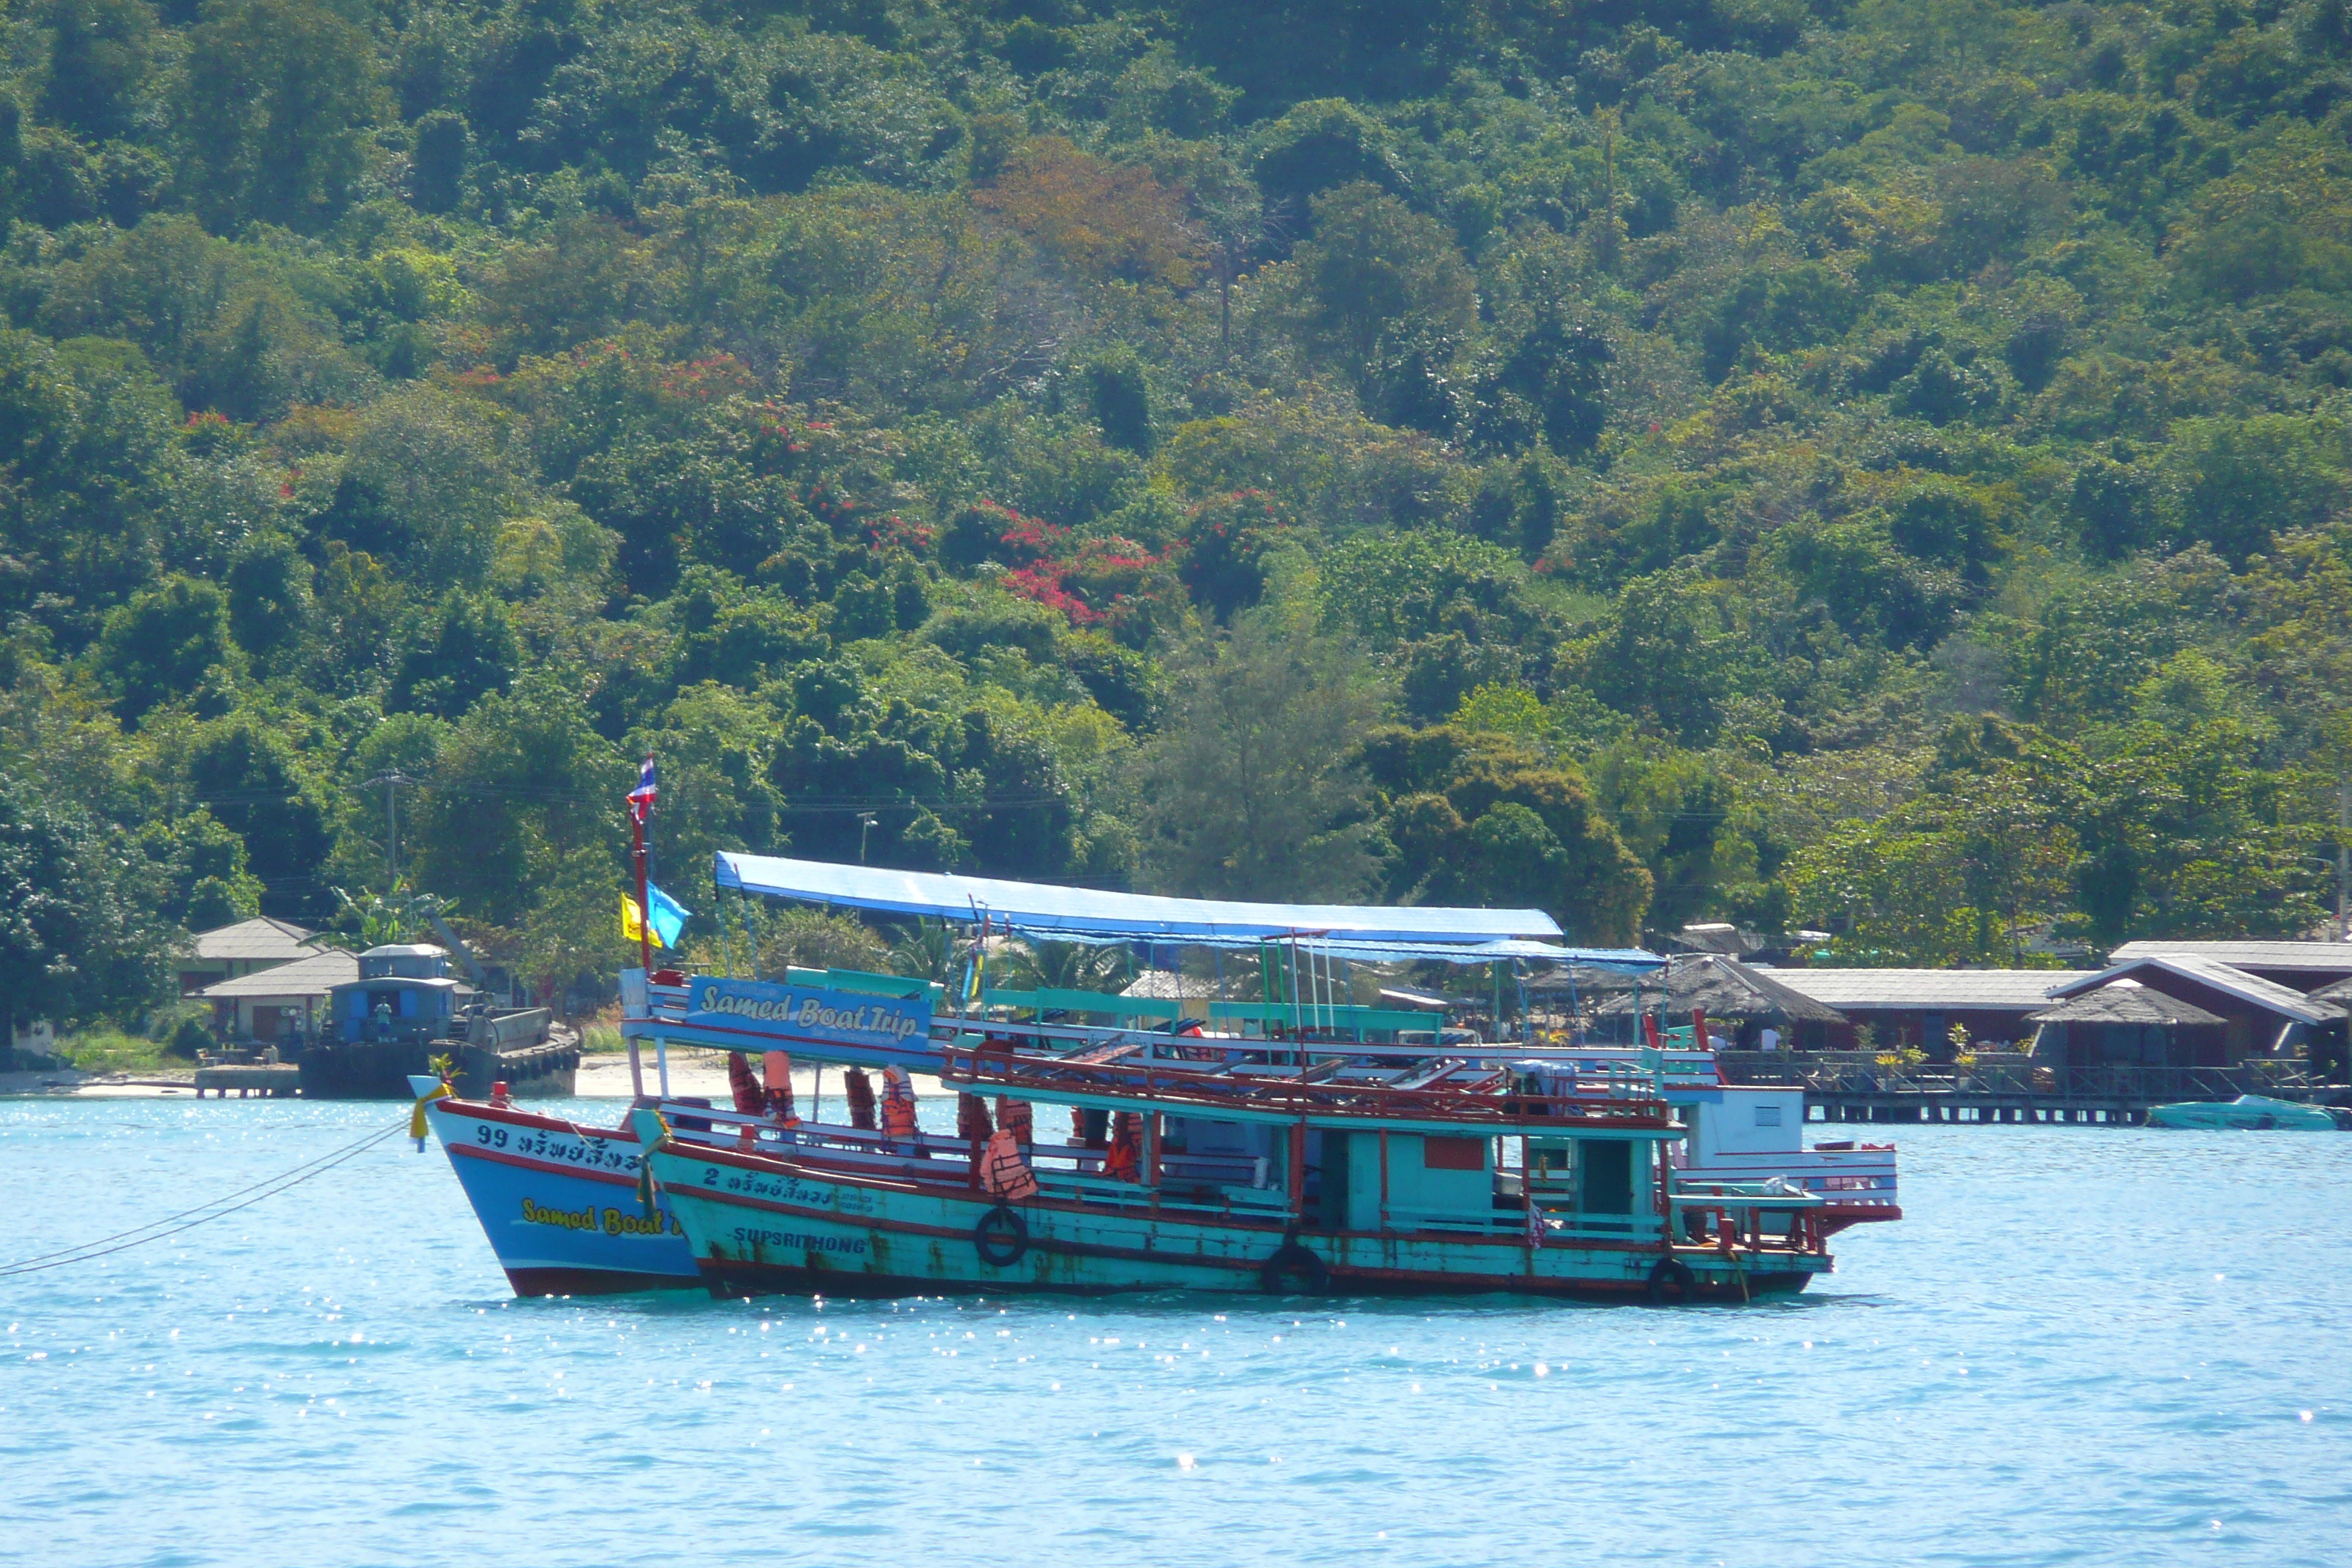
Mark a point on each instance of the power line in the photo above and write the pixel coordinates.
(202, 1213)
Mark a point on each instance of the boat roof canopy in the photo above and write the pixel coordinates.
(1079, 913)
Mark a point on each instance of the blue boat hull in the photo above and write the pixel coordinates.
(559, 1203)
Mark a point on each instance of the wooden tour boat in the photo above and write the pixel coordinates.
(559, 1202)
(1235, 1179)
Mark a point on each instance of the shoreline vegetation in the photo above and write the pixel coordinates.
(1876, 470)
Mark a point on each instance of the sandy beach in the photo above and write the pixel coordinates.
(604, 1075)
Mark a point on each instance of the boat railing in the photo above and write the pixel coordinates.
(1294, 1093)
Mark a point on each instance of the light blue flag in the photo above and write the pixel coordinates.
(669, 915)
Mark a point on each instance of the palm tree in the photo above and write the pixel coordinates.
(1076, 966)
(928, 951)
(393, 917)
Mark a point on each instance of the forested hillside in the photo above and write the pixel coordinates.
(1881, 467)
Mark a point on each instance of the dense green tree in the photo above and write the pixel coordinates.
(522, 784)
(1882, 466)
(424, 484)
(164, 645)
(270, 598)
(279, 94)
(439, 164)
(458, 652)
(1384, 300)
(204, 867)
(1249, 790)
(80, 933)
(250, 775)
(101, 52)
(1477, 820)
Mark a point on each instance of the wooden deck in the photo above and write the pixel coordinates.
(270, 1081)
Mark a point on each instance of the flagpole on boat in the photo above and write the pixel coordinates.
(640, 805)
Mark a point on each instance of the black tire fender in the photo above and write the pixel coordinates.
(1672, 1283)
(1001, 1237)
(1293, 1271)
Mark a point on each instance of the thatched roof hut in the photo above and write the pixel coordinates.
(1725, 988)
(2128, 1002)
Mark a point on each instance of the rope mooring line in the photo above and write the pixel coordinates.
(202, 1213)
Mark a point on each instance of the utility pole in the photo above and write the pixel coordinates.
(391, 782)
(2344, 855)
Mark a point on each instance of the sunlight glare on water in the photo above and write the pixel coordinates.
(2083, 1346)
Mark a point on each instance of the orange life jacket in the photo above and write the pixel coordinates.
(1126, 1156)
(1014, 1116)
(898, 1104)
(745, 1088)
(1004, 1172)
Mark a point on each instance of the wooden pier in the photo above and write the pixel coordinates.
(2016, 1110)
(2009, 1088)
(272, 1081)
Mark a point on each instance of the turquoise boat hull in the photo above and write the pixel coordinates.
(2248, 1112)
(757, 1226)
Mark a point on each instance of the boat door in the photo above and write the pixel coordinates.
(1605, 1176)
(1691, 1151)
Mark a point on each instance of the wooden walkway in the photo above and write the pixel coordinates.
(275, 1080)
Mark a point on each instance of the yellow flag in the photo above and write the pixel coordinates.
(632, 923)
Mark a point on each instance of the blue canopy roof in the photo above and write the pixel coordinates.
(1047, 911)
(1630, 959)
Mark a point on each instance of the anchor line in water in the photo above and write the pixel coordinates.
(202, 1213)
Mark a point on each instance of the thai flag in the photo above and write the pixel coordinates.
(641, 799)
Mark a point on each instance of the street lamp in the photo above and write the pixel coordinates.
(864, 826)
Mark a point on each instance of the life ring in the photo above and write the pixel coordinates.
(1293, 1271)
(1001, 1237)
(1671, 1282)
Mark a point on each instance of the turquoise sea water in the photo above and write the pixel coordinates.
(2084, 1346)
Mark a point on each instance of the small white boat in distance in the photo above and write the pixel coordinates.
(2248, 1112)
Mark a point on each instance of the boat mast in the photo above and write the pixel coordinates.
(639, 811)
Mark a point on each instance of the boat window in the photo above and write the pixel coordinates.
(1454, 1153)
(1768, 1116)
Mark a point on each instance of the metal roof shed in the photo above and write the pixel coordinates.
(259, 1005)
(2301, 964)
(1921, 1007)
(2260, 1017)
(1895, 990)
(260, 939)
(2226, 979)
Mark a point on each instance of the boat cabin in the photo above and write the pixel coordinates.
(1439, 1150)
(405, 961)
(403, 993)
